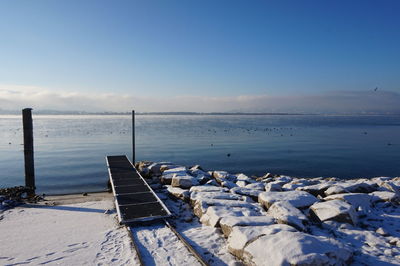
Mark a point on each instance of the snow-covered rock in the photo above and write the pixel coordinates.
(285, 213)
(391, 186)
(243, 177)
(220, 174)
(285, 179)
(256, 185)
(336, 210)
(241, 183)
(207, 188)
(295, 248)
(199, 196)
(201, 175)
(184, 181)
(335, 189)
(357, 200)
(155, 168)
(377, 196)
(299, 199)
(272, 187)
(228, 223)
(316, 190)
(167, 175)
(179, 193)
(215, 213)
(252, 193)
(228, 184)
(165, 167)
(242, 235)
(201, 205)
(361, 186)
(299, 182)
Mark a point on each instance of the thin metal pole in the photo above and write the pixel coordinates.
(28, 148)
(133, 137)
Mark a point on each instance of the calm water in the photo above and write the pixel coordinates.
(70, 150)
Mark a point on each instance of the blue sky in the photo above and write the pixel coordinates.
(194, 51)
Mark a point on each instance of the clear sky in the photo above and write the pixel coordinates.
(184, 55)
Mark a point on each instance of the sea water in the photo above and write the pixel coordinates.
(70, 150)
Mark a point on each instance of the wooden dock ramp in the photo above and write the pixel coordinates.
(134, 199)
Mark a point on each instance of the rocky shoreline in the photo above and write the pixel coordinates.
(282, 220)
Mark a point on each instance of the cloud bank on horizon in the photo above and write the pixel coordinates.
(337, 102)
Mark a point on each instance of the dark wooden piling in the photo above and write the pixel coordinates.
(133, 137)
(28, 148)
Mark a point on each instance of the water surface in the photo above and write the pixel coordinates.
(70, 150)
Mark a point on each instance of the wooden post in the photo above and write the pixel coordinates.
(28, 148)
(133, 137)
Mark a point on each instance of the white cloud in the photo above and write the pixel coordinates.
(18, 97)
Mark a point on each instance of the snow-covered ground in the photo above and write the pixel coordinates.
(77, 234)
(228, 218)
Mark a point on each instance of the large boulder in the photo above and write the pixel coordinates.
(391, 186)
(357, 200)
(179, 193)
(299, 199)
(361, 186)
(295, 248)
(167, 175)
(201, 206)
(241, 183)
(184, 181)
(155, 168)
(201, 175)
(245, 178)
(242, 235)
(222, 176)
(272, 187)
(207, 188)
(379, 196)
(257, 186)
(200, 196)
(215, 213)
(295, 183)
(286, 213)
(228, 223)
(335, 189)
(252, 193)
(228, 184)
(316, 190)
(336, 210)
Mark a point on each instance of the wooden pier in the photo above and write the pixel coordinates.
(134, 199)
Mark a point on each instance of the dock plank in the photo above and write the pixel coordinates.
(135, 200)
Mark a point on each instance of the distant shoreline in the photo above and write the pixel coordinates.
(45, 112)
